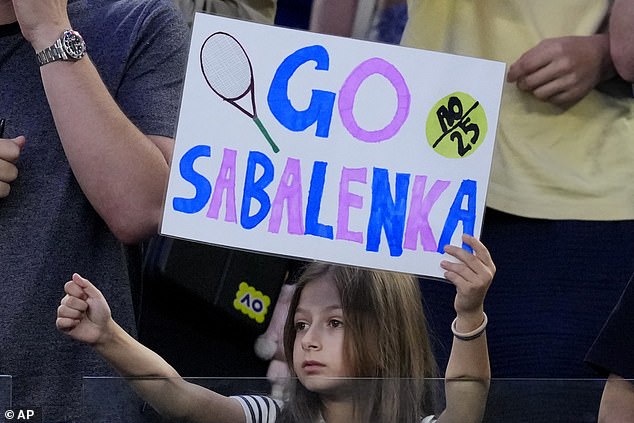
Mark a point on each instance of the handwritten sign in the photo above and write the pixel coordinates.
(328, 148)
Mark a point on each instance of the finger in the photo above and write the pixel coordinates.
(530, 82)
(72, 289)
(5, 189)
(566, 99)
(464, 256)
(516, 71)
(8, 171)
(560, 68)
(74, 303)
(527, 64)
(455, 279)
(554, 88)
(480, 251)
(476, 269)
(87, 286)
(10, 149)
(463, 274)
(20, 142)
(66, 324)
(69, 312)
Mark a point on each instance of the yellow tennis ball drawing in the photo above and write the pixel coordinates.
(456, 126)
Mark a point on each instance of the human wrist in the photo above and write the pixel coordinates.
(46, 35)
(469, 318)
(110, 334)
(467, 328)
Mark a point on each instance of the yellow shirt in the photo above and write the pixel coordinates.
(262, 11)
(549, 162)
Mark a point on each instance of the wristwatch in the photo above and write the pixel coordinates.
(70, 47)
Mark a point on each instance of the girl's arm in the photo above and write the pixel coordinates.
(468, 373)
(85, 316)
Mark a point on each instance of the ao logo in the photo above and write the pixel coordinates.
(252, 302)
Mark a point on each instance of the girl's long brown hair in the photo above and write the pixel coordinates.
(386, 343)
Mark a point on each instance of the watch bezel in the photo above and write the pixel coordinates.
(73, 44)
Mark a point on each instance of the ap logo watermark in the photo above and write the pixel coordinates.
(23, 414)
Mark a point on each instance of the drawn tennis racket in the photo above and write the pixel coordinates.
(228, 72)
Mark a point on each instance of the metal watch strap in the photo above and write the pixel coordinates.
(52, 53)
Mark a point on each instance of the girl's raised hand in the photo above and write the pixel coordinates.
(472, 276)
(83, 313)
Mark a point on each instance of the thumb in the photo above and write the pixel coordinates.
(87, 286)
(20, 141)
(514, 72)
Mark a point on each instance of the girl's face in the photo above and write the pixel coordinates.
(318, 348)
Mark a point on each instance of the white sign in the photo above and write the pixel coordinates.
(327, 148)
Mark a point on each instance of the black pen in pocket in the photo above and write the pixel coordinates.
(1, 128)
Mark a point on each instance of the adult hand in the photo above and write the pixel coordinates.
(9, 154)
(42, 21)
(83, 313)
(563, 70)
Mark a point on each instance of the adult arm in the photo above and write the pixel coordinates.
(622, 38)
(617, 401)
(85, 316)
(262, 11)
(335, 17)
(468, 373)
(121, 171)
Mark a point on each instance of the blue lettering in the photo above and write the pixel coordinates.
(386, 212)
(202, 185)
(469, 189)
(321, 103)
(315, 193)
(255, 189)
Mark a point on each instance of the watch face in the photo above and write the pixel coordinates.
(73, 44)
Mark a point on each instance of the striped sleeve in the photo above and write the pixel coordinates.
(258, 408)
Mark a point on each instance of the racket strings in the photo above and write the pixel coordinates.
(226, 66)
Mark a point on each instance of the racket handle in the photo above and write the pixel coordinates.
(266, 134)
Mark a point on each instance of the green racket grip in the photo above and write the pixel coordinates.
(266, 134)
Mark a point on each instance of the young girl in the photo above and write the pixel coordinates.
(356, 342)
